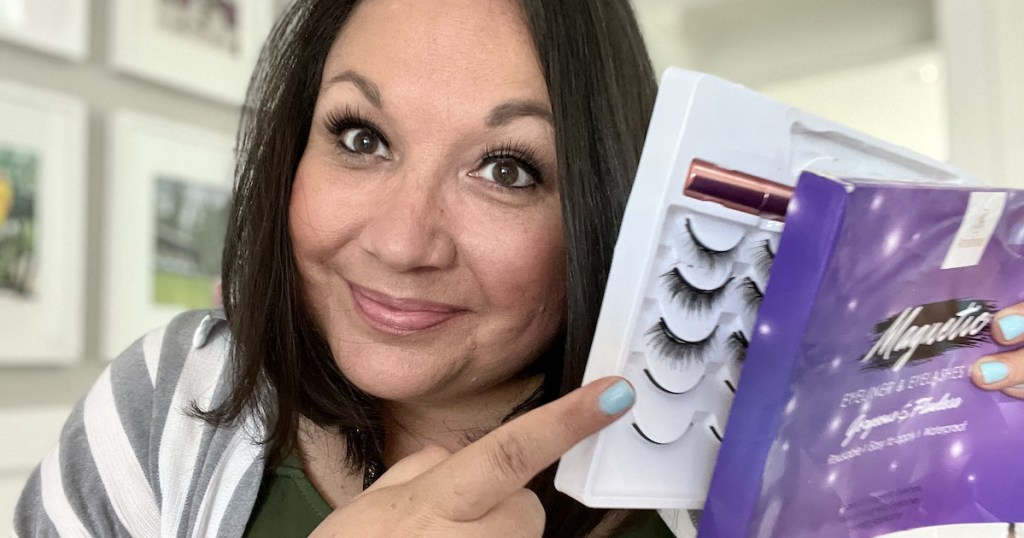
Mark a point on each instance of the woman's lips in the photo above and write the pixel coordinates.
(399, 316)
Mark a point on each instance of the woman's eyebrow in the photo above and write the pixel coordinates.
(511, 110)
(368, 88)
(500, 115)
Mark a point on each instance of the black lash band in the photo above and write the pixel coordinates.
(657, 385)
(644, 435)
(640, 432)
(692, 297)
(708, 256)
(667, 344)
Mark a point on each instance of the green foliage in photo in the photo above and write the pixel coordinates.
(18, 173)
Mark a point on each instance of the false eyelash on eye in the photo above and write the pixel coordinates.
(738, 344)
(522, 152)
(337, 122)
(752, 294)
(708, 256)
(764, 257)
(692, 297)
(674, 348)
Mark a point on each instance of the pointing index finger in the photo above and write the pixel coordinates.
(482, 475)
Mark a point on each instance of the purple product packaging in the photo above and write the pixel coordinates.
(855, 414)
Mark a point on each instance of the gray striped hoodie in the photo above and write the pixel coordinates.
(131, 461)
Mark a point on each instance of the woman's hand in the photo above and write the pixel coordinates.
(1004, 371)
(479, 490)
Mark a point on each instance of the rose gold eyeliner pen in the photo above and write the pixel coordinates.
(737, 190)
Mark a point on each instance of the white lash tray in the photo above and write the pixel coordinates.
(683, 288)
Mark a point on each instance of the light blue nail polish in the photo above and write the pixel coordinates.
(617, 398)
(1011, 326)
(992, 372)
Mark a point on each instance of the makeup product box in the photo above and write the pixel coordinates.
(698, 238)
(857, 416)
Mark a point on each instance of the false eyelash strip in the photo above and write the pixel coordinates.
(763, 257)
(708, 256)
(752, 294)
(737, 345)
(644, 435)
(692, 297)
(670, 346)
(659, 386)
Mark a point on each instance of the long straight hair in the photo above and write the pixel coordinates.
(601, 88)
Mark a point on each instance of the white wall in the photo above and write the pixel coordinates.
(984, 50)
(902, 99)
(820, 54)
(35, 400)
(35, 431)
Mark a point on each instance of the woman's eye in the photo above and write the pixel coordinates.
(364, 141)
(507, 172)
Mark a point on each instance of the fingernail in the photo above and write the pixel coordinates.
(617, 398)
(993, 372)
(1011, 326)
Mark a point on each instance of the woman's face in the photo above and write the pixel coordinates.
(424, 214)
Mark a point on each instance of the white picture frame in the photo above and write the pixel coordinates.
(58, 27)
(199, 46)
(147, 153)
(42, 225)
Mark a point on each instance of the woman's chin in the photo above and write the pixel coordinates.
(408, 386)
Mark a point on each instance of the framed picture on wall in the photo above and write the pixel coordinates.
(168, 191)
(208, 47)
(42, 225)
(59, 27)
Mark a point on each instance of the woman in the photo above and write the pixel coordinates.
(427, 199)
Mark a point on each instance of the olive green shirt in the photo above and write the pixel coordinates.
(288, 505)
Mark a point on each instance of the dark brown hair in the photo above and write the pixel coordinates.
(601, 88)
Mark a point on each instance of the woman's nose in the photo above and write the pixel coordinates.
(411, 228)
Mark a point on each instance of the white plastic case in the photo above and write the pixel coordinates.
(661, 453)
